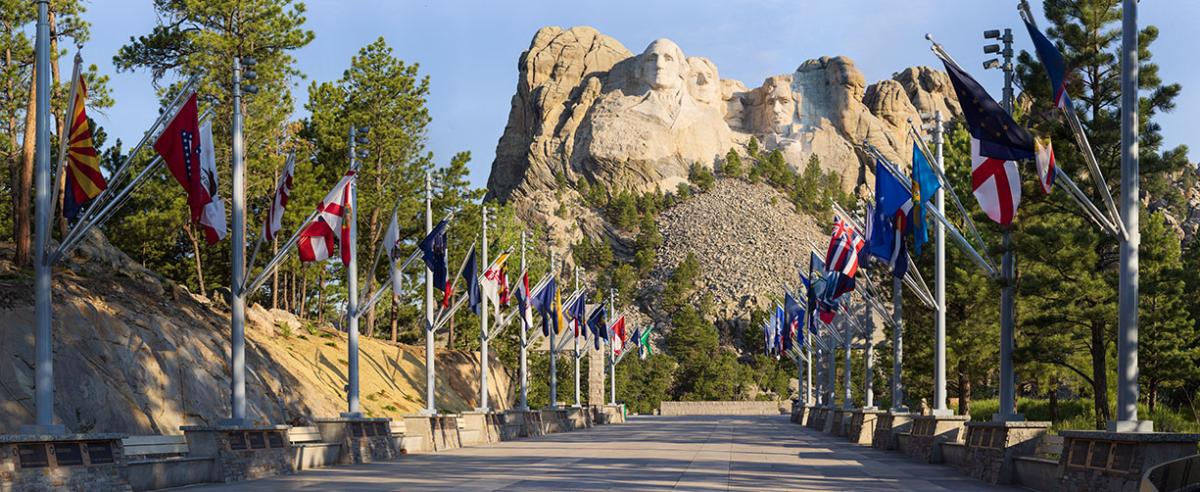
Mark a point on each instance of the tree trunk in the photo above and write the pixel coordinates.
(199, 263)
(1152, 397)
(1053, 399)
(1099, 375)
(321, 296)
(301, 312)
(395, 307)
(964, 389)
(372, 226)
(23, 182)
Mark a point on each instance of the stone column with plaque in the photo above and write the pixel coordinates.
(862, 425)
(242, 452)
(363, 440)
(84, 462)
(889, 426)
(1103, 461)
(924, 439)
(991, 448)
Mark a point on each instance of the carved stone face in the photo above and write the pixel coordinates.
(703, 82)
(662, 66)
(778, 108)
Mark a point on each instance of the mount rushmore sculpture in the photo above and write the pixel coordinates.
(586, 108)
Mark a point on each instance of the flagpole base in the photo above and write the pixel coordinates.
(1130, 426)
(425, 412)
(43, 430)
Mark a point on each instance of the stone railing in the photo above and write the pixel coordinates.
(678, 408)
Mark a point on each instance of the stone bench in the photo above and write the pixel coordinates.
(142, 448)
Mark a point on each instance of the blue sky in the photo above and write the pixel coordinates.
(470, 48)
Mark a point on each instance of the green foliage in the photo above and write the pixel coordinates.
(732, 166)
(646, 244)
(701, 176)
(680, 284)
(644, 384)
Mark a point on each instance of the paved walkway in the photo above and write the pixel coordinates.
(648, 453)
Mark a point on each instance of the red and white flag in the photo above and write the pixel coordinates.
(212, 216)
(1044, 150)
(181, 147)
(318, 240)
(274, 220)
(618, 335)
(996, 184)
(391, 242)
(491, 281)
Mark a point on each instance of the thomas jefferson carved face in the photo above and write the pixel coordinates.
(663, 66)
(703, 82)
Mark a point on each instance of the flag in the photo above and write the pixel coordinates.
(777, 319)
(274, 220)
(793, 321)
(617, 335)
(492, 281)
(644, 349)
(595, 323)
(470, 273)
(523, 300)
(841, 265)
(544, 303)
(1045, 164)
(504, 293)
(319, 237)
(1000, 137)
(180, 147)
(84, 180)
(925, 185)
(577, 310)
(433, 248)
(889, 217)
(996, 184)
(391, 241)
(1052, 61)
(212, 216)
(767, 337)
(559, 322)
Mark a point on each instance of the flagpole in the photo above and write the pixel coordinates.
(238, 264)
(848, 392)
(612, 367)
(65, 138)
(831, 370)
(430, 402)
(553, 353)
(578, 402)
(1127, 328)
(939, 273)
(43, 344)
(898, 346)
(483, 321)
(524, 405)
(356, 136)
(869, 362)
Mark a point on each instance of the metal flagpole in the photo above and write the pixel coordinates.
(43, 345)
(430, 375)
(483, 323)
(848, 392)
(939, 273)
(578, 401)
(524, 405)
(238, 260)
(356, 136)
(897, 346)
(612, 366)
(553, 362)
(869, 369)
(831, 370)
(1127, 328)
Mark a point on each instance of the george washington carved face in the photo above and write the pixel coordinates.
(662, 66)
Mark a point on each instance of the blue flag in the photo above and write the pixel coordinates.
(544, 303)
(433, 248)
(795, 317)
(577, 310)
(471, 275)
(889, 220)
(1056, 67)
(999, 136)
(782, 337)
(924, 185)
(595, 323)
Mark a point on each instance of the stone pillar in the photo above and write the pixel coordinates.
(992, 446)
(889, 427)
(363, 440)
(862, 425)
(1100, 460)
(85, 462)
(242, 452)
(923, 442)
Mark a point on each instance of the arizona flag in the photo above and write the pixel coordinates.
(319, 238)
(84, 180)
(1045, 163)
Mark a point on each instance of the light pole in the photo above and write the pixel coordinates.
(939, 269)
(237, 305)
(578, 402)
(1008, 262)
(356, 136)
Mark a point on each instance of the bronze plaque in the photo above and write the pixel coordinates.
(33, 455)
(1123, 456)
(356, 429)
(1100, 453)
(257, 440)
(237, 440)
(998, 438)
(383, 428)
(99, 452)
(275, 439)
(1079, 451)
(68, 454)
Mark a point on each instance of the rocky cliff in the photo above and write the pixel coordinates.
(135, 353)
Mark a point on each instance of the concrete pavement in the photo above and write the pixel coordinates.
(648, 453)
